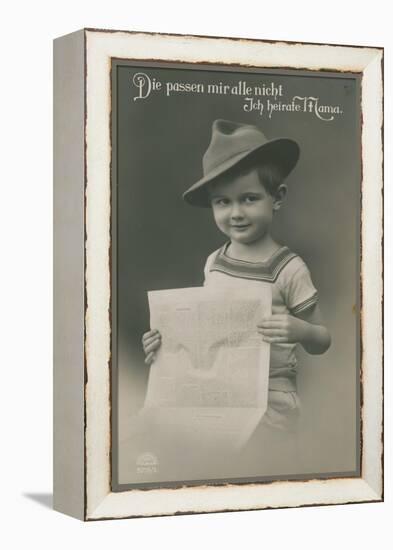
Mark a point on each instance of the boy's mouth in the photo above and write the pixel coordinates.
(240, 226)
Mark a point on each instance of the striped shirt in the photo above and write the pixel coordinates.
(292, 293)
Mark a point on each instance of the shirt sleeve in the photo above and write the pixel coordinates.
(206, 269)
(206, 272)
(300, 293)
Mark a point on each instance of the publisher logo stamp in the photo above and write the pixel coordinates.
(147, 463)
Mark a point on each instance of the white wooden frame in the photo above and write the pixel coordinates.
(82, 472)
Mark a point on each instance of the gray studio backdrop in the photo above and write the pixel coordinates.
(161, 242)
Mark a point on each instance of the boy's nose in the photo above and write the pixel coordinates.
(236, 211)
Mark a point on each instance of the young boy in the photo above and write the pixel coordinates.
(244, 185)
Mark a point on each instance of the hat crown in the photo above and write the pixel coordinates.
(228, 140)
(233, 142)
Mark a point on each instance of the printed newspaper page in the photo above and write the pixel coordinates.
(209, 381)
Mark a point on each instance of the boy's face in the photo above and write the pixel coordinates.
(242, 208)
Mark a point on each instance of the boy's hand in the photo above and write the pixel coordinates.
(151, 342)
(283, 329)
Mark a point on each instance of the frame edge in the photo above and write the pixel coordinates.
(68, 272)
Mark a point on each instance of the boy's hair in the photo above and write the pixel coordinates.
(270, 175)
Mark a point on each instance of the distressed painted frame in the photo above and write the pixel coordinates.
(82, 476)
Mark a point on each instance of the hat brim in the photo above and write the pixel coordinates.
(282, 152)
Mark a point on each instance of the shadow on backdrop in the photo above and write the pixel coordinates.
(45, 499)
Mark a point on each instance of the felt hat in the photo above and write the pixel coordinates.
(232, 142)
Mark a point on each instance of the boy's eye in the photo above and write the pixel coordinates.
(250, 198)
(220, 201)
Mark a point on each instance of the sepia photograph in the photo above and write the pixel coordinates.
(197, 290)
(235, 274)
(225, 319)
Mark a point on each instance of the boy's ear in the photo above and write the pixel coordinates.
(280, 196)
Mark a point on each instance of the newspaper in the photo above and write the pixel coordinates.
(209, 381)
